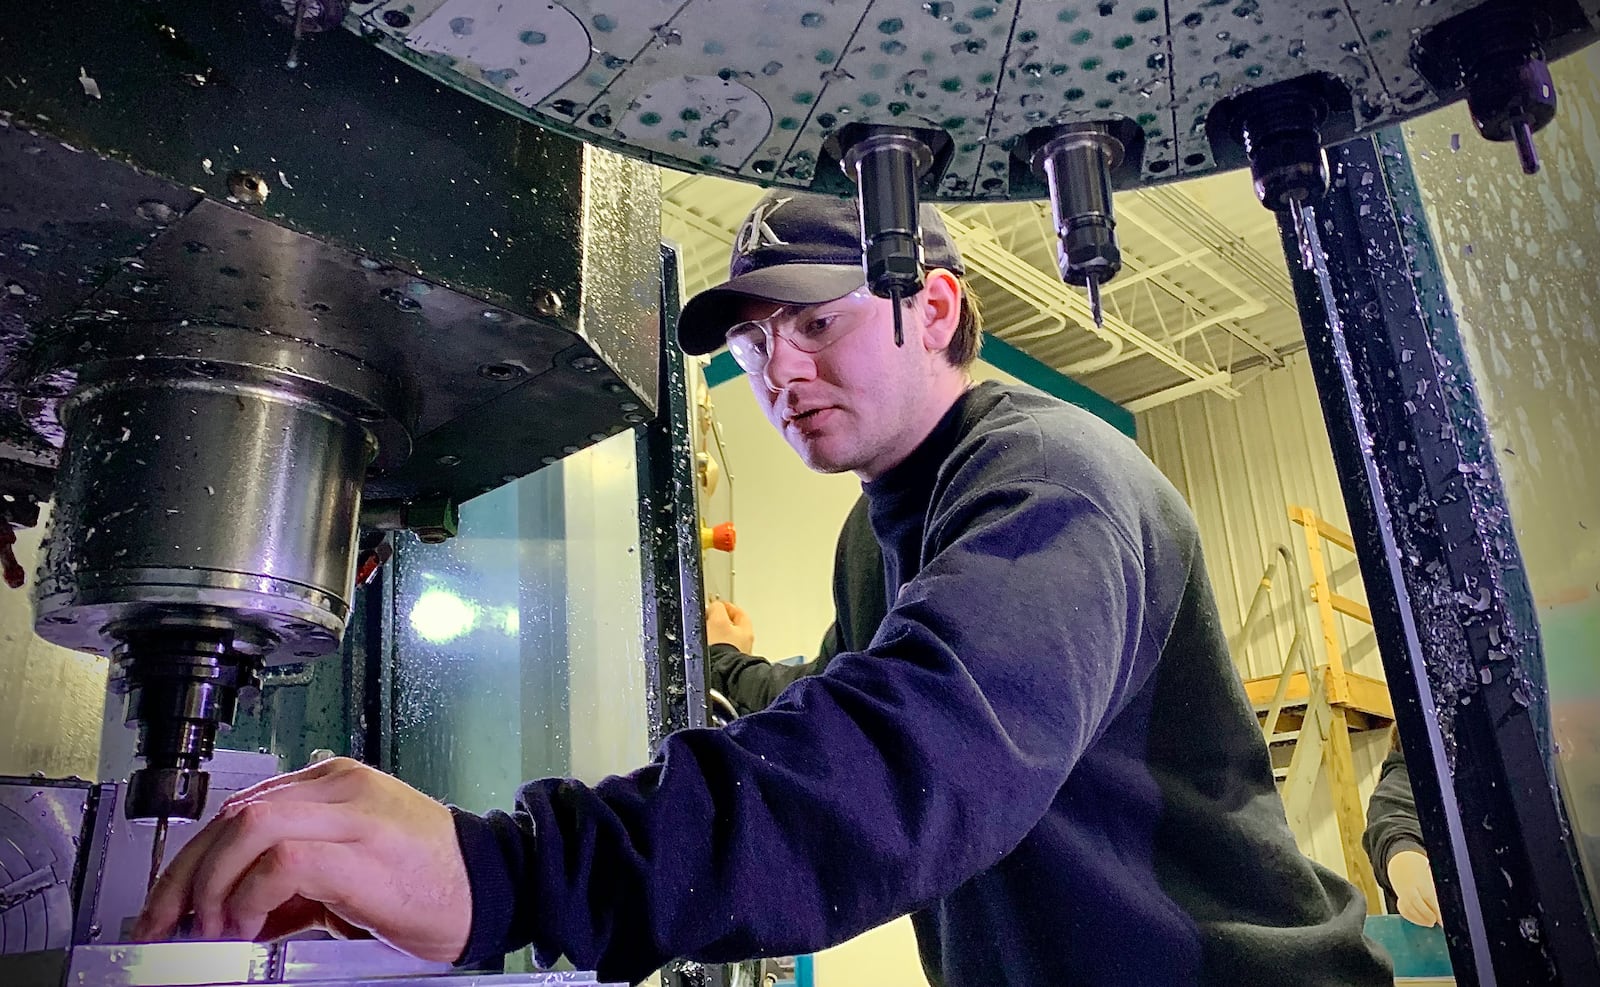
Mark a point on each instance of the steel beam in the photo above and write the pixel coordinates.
(1450, 599)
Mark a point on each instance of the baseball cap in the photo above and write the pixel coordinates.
(796, 248)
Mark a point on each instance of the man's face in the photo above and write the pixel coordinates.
(861, 403)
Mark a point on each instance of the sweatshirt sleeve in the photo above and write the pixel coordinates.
(1392, 823)
(863, 793)
(751, 683)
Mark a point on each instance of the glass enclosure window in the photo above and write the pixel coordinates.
(300, 708)
(1522, 255)
(517, 645)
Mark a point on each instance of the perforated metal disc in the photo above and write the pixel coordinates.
(750, 89)
(39, 829)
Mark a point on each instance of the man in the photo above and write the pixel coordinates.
(751, 683)
(1045, 755)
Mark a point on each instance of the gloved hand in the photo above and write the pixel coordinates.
(728, 624)
(1412, 881)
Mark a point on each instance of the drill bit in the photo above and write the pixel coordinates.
(1527, 150)
(158, 849)
(1093, 281)
(1297, 210)
(899, 329)
(293, 61)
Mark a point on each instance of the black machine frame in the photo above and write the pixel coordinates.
(1449, 595)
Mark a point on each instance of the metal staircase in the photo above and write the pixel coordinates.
(1309, 709)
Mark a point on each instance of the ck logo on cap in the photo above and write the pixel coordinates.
(755, 233)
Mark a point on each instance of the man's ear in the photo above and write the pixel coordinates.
(940, 301)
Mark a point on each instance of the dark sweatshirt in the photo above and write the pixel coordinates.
(1045, 755)
(752, 683)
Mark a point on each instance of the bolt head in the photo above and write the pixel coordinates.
(545, 301)
(248, 187)
(500, 371)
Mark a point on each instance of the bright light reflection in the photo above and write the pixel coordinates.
(440, 615)
(511, 622)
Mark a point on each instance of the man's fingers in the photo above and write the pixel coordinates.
(168, 901)
(1414, 909)
(1408, 911)
(252, 830)
(1430, 905)
(286, 888)
(294, 916)
(363, 851)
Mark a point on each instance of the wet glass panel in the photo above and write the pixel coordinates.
(517, 650)
(1522, 257)
(300, 708)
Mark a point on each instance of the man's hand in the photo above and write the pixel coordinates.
(728, 624)
(1412, 881)
(336, 846)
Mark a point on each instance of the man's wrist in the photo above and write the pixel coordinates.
(1400, 846)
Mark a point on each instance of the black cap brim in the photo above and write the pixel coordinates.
(703, 323)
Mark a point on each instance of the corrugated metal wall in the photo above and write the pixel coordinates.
(51, 699)
(1241, 464)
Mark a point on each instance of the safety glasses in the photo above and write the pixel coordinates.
(810, 329)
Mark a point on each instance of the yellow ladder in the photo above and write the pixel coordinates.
(1327, 700)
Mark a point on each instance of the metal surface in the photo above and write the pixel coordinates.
(334, 963)
(1498, 58)
(1444, 580)
(669, 543)
(327, 962)
(41, 826)
(1280, 130)
(158, 850)
(192, 486)
(495, 271)
(168, 963)
(216, 310)
(328, 959)
(206, 502)
(755, 93)
(193, 964)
